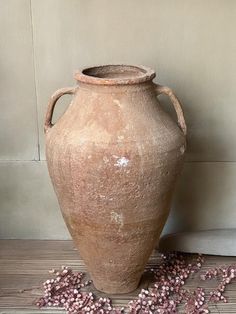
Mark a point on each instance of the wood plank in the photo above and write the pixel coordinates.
(42, 250)
(24, 266)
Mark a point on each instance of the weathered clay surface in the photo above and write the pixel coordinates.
(114, 158)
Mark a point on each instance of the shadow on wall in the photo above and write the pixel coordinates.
(204, 198)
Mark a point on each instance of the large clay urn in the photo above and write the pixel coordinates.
(113, 158)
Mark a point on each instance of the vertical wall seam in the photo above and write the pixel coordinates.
(35, 85)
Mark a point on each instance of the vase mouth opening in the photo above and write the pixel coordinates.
(115, 75)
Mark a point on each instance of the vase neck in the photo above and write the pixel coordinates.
(113, 75)
(116, 89)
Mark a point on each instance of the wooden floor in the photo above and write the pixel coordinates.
(24, 266)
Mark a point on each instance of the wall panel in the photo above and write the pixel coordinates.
(190, 43)
(192, 46)
(204, 199)
(18, 119)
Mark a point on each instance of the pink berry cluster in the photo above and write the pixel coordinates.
(164, 296)
(65, 292)
(225, 274)
(196, 302)
(168, 292)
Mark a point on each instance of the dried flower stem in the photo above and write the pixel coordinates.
(163, 297)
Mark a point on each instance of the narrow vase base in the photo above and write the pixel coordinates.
(116, 288)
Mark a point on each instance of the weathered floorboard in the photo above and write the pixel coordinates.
(24, 265)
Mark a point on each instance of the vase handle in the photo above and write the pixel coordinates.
(51, 105)
(176, 103)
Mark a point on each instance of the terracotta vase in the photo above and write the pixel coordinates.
(113, 158)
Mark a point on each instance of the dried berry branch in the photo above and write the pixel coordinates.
(163, 297)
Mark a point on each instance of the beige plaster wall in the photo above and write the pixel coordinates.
(192, 46)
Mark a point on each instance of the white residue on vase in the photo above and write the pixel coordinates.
(122, 162)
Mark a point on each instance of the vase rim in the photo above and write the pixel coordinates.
(115, 74)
